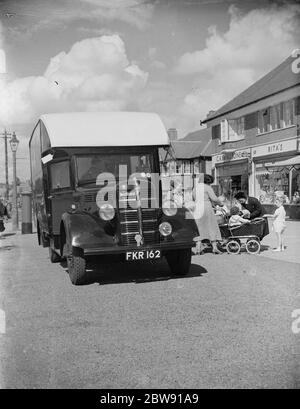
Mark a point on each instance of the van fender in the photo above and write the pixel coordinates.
(183, 224)
(84, 230)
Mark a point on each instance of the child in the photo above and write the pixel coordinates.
(235, 218)
(279, 224)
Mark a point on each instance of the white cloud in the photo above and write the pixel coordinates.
(154, 62)
(1, 34)
(158, 65)
(137, 13)
(253, 45)
(260, 37)
(94, 75)
(2, 53)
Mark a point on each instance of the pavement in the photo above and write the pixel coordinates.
(291, 237)
(230, 323)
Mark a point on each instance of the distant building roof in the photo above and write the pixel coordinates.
(105, 129)
(279, 79)
(194, 145)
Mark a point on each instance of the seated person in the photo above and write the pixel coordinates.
(223, 208)
(235, 218)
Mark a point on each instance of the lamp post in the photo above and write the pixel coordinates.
(6, 137)
(14, 142)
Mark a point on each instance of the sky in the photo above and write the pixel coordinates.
(179, 58)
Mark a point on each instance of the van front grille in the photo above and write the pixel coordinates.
(129, 226)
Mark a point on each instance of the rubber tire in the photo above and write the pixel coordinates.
(76, 269)
(179, 261)
(228, 247)
(258, 245)
(54, 257)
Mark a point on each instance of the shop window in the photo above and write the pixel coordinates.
(295, 193)
(270, 183)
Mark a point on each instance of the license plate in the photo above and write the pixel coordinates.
(143, 255)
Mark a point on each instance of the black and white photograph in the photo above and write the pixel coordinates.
(149, 197)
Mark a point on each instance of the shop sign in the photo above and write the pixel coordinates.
(231, 156)
(275, 148)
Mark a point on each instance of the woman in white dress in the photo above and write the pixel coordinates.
(204, 215)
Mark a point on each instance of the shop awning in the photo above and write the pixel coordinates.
(289, 162)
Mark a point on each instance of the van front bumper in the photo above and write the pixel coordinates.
(163, 246)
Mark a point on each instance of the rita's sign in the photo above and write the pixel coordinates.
(275, 148)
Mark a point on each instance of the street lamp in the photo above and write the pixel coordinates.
(14, 143)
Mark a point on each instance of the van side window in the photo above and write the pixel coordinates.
(60, 175)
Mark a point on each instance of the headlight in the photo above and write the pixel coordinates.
(107, 212)
(169, 208)
(165, 229)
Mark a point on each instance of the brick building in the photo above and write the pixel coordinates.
(255, 137)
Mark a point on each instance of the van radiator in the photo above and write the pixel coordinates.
(129, 226)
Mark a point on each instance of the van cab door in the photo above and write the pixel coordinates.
(45, 210)
(60, 192)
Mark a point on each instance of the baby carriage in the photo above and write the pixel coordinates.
(248, 236)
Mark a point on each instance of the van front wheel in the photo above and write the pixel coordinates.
(179, 261)
(76, 269)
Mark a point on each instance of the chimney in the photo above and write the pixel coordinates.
(172, 132)
(211, 112)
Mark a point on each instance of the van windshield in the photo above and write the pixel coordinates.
(90, 166)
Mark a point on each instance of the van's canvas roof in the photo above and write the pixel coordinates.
(105, 129)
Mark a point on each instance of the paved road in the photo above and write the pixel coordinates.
(226, 325)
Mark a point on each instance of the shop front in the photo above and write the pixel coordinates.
(231, 169)
(277, 173)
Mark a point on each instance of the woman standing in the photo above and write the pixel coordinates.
(204, 215)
